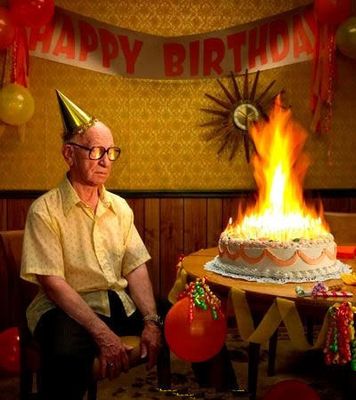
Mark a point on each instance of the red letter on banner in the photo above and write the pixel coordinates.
(66, 35)
(235, 42)
(130, 55)
(174, 56)
(278, 40)
(214, 52)
(309, 18)
(41, 34)
(302, 43)
(109, 45)
(259, 50)
(194, 48)
(88, 40)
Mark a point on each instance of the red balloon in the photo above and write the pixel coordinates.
(10, 351)
(291, 389)
(196, 340)
(7, 28)
(332, 11)
(33, 13)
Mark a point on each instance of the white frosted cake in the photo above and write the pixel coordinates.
(298, 260)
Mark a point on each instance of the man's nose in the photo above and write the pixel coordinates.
(104, 160)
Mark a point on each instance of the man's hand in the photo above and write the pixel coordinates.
(150, 343)
(114, 355)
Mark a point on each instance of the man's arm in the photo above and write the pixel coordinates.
(113, 353)
(142, 294)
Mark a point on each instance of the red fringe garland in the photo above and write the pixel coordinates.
(324, 74)
(20, 58)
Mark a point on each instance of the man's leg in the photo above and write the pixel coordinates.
(67, 354)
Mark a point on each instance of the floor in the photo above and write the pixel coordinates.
(327, 382)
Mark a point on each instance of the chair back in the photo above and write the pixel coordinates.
(342, 226)
(15, 294)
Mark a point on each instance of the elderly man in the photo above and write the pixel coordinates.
(82, 248)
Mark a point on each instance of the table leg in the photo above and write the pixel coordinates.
(253, 362)
(350, 386)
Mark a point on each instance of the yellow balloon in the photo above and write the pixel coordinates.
(346, 38)
(16, 104)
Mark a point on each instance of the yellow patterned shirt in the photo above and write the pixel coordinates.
(92, 252)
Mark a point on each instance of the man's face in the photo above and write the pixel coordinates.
(83, 170)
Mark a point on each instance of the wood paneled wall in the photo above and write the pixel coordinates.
(174, 225)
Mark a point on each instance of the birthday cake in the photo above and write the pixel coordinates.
(296, 260)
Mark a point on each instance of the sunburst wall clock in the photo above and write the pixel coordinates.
(235, 115)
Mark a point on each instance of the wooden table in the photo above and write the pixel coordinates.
(260, 296)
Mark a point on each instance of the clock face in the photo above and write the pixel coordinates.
(244, 114)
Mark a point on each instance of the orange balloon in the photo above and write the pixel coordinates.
(196, 340)
(10, 351)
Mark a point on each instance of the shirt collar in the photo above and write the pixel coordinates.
(70, 197)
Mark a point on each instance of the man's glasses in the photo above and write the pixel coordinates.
(97, 152)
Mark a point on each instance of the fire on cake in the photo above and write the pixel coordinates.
(278, 238)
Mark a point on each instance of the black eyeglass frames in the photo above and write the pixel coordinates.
(97, 152)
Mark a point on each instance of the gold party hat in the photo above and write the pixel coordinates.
(75, 120)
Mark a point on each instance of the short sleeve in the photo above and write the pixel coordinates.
(136, 253)
(42, 250)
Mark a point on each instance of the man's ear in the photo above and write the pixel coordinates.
(68, 154)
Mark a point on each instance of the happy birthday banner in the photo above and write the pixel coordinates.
(87, 43)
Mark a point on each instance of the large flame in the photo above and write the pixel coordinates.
(280, 212)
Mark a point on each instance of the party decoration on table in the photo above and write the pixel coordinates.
(340, 344)
(10, 351)
(16, 104)
(291, 389)
(329, 14)
(235, 116)
(32, 13)
(346, 252)
(195, 327)
(7, 28)
(349, 279)
(322, 290)
(346, 38)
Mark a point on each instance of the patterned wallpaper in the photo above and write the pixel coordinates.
(156, 122)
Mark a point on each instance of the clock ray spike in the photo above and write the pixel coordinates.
(234, 147)
(254, 86)
(245, 92)
(217, 133)
(247, 147)
(218, 101)
(263, 94)
(236, 87)
(227, 93)
(264, 115)
(224, 144)
(212, 123)
(215, 112)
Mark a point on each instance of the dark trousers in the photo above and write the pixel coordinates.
(68, 351)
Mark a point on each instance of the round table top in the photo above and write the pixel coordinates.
(194, 266)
